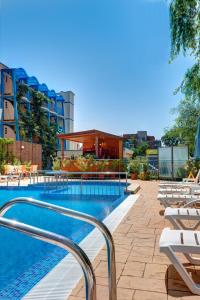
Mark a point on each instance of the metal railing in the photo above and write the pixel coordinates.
(83, 217)
(62, 242)
(60, 179)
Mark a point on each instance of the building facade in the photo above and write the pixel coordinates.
(58, 107)
(134, 140)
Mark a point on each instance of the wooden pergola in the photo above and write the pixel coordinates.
(99, 143)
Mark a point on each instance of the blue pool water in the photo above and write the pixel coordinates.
(25, 261)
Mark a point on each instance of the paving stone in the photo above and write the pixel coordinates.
(134, 269)
(155, 271)
(144, 295)
(124, 294)
(145, 284)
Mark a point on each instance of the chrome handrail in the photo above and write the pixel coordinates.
(62, 242)
(80, 216)
(60, 172)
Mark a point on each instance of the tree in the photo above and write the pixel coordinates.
(35, 124)
(185, 27)
(184, 130)
(142, 147)
(185, 39)
(172, 137)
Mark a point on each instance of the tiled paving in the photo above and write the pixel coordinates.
(143, 273)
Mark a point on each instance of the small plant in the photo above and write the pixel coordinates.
(16, 161)
(27, 165)
(85, 164)
(192, 166)
(56, 164)
(182, 172)
(102, 165)
(2, 167)
(66, 162)
(122, 165)
(144, 175)
(114, 165)
(133, 167)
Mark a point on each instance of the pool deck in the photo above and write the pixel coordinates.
(143, 273)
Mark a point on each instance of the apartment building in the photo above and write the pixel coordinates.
(58, 107)
(134, 140)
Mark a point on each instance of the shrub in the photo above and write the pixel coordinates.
(56, 164)
(133, 166)
(101, 165)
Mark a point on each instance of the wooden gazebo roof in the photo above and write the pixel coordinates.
(88, 135)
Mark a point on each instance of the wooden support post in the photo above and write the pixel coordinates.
(97, 146)
(62, 148)
(120, 149)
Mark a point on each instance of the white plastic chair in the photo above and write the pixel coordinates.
(187, 182)
(168, 200)
(177, 215)
(187, 243)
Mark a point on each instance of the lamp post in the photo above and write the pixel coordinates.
(21, 149)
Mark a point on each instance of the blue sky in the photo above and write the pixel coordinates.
(112, 53)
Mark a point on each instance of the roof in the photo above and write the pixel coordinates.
(83, 136)
(32, 81)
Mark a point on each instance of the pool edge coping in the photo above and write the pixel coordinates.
(49, 287)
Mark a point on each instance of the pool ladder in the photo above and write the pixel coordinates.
(65, 243)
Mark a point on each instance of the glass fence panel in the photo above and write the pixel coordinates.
(165, 162)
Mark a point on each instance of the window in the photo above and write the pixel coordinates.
(6, 104)
(5, 130)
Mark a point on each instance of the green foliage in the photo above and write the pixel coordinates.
(140, 167)
(190, 86)
(181, 173)
(172, 137)
(34, 123)
(16, 162)
(66, 162)
(4, 142)
(184, 130)
(85, 164)
(56, 164)
(101, 165)
(27, 165)
(133, 166)
(144, 175)
(191, 166)
(140, 150)
(143, 146)
(185, 27)
(114, 165)
(185, 39)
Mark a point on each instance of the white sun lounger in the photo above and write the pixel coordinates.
(177, 215)
(186, 190)
(180, 185)
(175, 190)
(187, 182)
(176, 199)
(186, 242)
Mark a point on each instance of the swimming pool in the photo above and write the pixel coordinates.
(25, 261)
